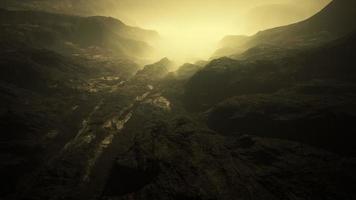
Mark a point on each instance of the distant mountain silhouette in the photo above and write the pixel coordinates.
(334, 21)
(77, 7)
(74, 34)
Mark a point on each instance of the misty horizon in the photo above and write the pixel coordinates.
(191, 30)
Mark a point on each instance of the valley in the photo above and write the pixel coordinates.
(83, 116)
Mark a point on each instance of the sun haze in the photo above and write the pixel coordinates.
(191, 29)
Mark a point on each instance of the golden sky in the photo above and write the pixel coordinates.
(190, 29)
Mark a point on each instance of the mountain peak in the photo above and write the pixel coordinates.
(164, 62)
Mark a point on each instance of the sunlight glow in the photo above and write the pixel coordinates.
(188, 43)
(191, 30)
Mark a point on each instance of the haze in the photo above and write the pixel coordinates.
(191, 29)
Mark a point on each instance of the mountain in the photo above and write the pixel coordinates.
(80, 120)
(269, 69)
(156, 70)
(291, 95)
(55, 69)
(187, 70)
(270, 15)
(44, 96)
(229, 44)
(70, 7)
(126, 140)
(74, 35)
(334, 21)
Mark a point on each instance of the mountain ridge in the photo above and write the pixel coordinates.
(73, 34)
(330, 23)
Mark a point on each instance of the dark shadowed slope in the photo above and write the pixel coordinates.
(301, 95)
(262, 70)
